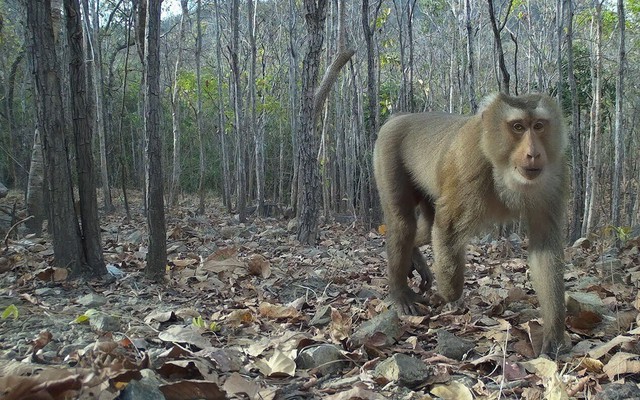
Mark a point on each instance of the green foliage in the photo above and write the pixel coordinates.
(434, 7)
(199, 322)
(84, 318)
(582, 72)
(620, 233)
(383, 16)
(10, 311)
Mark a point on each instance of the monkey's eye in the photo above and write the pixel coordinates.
(538, 126)
(518, 127)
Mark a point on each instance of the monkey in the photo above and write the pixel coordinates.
(464, 173)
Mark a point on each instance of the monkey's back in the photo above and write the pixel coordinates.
(417, 143)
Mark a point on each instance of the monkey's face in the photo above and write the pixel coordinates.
(522, 139)
(528, 157)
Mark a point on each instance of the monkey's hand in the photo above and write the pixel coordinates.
(420, 266)
(408, 302)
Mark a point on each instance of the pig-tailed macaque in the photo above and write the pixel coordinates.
(463, 173)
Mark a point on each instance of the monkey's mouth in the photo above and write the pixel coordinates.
(529, 173)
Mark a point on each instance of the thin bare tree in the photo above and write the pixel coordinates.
(157, 253)
(174, 187)
(619, 133)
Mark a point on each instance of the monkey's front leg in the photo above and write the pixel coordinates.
(448, 252)
(546, 260)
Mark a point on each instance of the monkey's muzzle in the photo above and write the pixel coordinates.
(529, 172)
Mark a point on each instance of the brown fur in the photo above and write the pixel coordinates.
(464, 173)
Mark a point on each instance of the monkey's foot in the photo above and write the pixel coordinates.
(553, 348)
(409, 302)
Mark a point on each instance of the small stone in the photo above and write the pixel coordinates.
(578, 302)
(451, 346)
(327, 358)
(104, 323)
(232, 232)
(144, 389)
(610, 270)
(583, 242)
(515, 240)
(135, 237)
(368, 293)
(406, 370)
(386, 323)
(43, 291)
(618, 391)
(92, 300)
(321, 317)
(274, 233)
(292, 225)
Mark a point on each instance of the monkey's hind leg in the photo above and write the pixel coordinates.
(401, 233)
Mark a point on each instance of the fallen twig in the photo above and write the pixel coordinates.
(6, 237)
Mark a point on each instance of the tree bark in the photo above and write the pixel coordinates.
(619, 134)
(577, 176)
(35, 188)
(226, 169)
(497, 30)
(236, 91)
(258, 133)
(308, 174)
(294, 97)
(157, 253)
(121, 152)
(13, 140)
(82, 132)
(593, 160)
(67, 246)
(95, 79)
(175, 110)
(473, 100)
(372, 111)
(311, 106)
(203, 162)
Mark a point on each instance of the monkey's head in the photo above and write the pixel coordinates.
(522, 137)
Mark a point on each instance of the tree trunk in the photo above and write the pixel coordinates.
(618, 135)
(410, 97)
(203, 163)
(13, 140)
(67, 246)
(577, 176)
(593, 162)
(35, 188)
(258, 133)
(121, 152)
(372, 113)
(312, 104)
(175, 110)
(226, 170)
(91, 238)
(157, 253)
(236, 89)
(473, 101)
(497, 30)
(95, 83)
(308, 174)
(294, 107)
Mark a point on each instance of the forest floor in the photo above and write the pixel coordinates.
(249, 313)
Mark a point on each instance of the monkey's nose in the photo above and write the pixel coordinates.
(533, 155)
